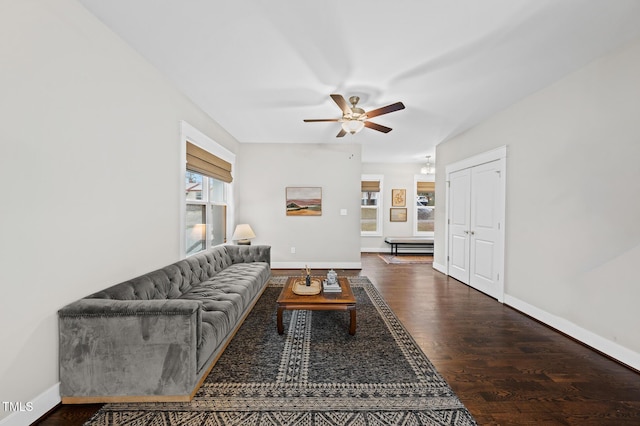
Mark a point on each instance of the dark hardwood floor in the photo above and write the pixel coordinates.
(507, 368)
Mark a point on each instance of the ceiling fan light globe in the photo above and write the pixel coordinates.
(352, 126)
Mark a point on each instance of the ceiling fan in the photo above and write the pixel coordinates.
(355, 118)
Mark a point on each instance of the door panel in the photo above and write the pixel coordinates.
(459, 216)
(485, 189)
(483, 260)
(458, 264)
(483, 198)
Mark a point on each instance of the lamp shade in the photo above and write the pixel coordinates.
(352, 126)
(243, 234)
(198, 232)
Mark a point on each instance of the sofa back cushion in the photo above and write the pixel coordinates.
(171, 281)
(206, 264)
(249, 254)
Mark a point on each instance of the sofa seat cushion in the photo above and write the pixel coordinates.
(251, 276)
(219, 312)
(223, 300)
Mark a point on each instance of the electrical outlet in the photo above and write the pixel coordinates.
(293, 250)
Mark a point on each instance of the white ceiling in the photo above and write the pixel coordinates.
(260, 67)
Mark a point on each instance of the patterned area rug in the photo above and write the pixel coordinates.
(405, 259)
(313, 374)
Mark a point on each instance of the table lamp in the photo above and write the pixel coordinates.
(243, 234)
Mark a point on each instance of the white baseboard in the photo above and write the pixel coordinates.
(374, 250)
(612, 349)
(316, 265)
(30, 411)
(440, 268)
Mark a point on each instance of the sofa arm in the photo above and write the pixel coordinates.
(249, 254)
(128, 347)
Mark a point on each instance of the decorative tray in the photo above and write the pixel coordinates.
(301, 289)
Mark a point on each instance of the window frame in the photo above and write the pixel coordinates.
(416, 232)
(379, 207)
(190, 134)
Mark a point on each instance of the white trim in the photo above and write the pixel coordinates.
(190, 133)
(612, 349)
(476, 160)
(41, 404)
(196, 137)
(374, 249)
(440, 268)
(316, 265)
(498, 154)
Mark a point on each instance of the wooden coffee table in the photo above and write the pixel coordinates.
(343, 301)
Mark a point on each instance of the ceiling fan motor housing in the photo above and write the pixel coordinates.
(356, 112)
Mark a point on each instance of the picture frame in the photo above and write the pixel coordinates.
(398, 197)
(398, 214)
(303, 200)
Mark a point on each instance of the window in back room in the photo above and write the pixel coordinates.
(371, 206)
(425, 207)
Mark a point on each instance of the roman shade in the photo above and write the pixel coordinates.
(370, 186)
(204, 162)
(426, 187)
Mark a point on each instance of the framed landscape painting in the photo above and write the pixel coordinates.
(398, 215)
(304, 200)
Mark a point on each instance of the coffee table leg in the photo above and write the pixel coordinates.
(279, 316)
(352, 323)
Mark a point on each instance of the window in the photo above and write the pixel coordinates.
(425, 205)
(206, 212)
(371, 206)
(208, 192)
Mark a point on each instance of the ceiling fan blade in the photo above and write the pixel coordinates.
(385, 110)
(378, 127)
(344, 106)
(316, 120)
(341, 134)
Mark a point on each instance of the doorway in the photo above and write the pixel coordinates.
(475, 222)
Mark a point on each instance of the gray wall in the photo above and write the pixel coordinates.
(572, 204)
(90, 177)
(329, 240)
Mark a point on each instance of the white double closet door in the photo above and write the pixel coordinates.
(475, 227)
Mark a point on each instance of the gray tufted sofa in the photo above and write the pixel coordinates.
(157, 336)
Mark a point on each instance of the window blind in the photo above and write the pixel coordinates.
(370, 186)
(426, 187)
(204, 162)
